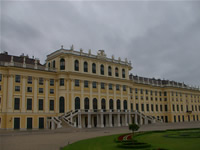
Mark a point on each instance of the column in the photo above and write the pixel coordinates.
(67, 100)
(107, 96)
(79, 121)
(46, 95)
(72, 94)
(125, 119)
(102, 125)
(121, 97)
(114, 100)
(99, 97)
(4, 88)
(89, 120)
(145, 120)
(141, 119)
(118, 120)
(35, 95)
(98, 121)
(10, 93)
(82, 93)
(57, 98)
(135, 117)
(23, 88)
(91, 100)
(129, 119)
(128, 101)
(110, 120)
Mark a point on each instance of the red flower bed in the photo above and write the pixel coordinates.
(124, 137)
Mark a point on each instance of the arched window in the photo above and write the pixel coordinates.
(86, 103)
(54, 64)
(125, 104)
(103, 104)
(62, 64)
(77, 103)
(109, 71)
(116, 72)
(95, 104)
(85, 66)
(76, 65)
(118, 105)
(49, 65)
(102, 70)
(111, 104)
(93, 68)
(123, 73)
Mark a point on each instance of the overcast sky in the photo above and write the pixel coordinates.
(161, 39)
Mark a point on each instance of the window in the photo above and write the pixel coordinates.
(177, 107)
(131, 90)
(0, 87)
(17, 88)
(85, 66)
(51, 107)
(161, 108)
(142, 107)
(77, 82)
(146, 91)
(151, 92)
(110, 86)
(102, 70)
(117, 87)
(41, 90)
(0, 77)
(29, 104)
(29, 80)
(166, 109)
(62, 82)
(147, 98)
(173, 107)
(51, 91)
(62, 64)
(155, 93)
(165, 93)
(147, 107)
(160, 93)
(29, 89)
(156, 107)
(49, 65)
(93, 68)
(16, 103)
(123, 73)
(102, 85)
(109, 71)
(141, 91)
(40, 104)
(137, 107)
(17, 78)
(41, 81)
(94, 84)
(86, 84)
(76, 65)
(152, 108)
(124, 87)
(116, 72)
(135, 90)
(51, 82)
(54, 64)
(181, 107)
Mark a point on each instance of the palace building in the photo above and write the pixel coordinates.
(83, 90)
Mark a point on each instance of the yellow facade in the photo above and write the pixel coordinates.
(31, 93)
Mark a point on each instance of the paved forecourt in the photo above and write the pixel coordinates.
(55, 139)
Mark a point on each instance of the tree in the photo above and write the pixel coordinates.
(133, 127)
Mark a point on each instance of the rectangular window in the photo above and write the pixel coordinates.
(62, 82)
(165, 93)
(161, 108)
(40, 104)
(142, 107)
(17, 88)
(41, 90)
(137, 108)
(51, 91)
(77, 82)
(94, 85)
(17, 78)
(0, 87)
(110, 86)
(135, 90)
(181, 107)
(124, 87)
(147, 107)
(136, 97)
(102, 85)
(141, 91)
(41, 81)
(51, 105)
(51, 82)
(16, 103)
(29, 89)
(29, 104)
(117, 87)
(147, 98)
(166, 109)
(151, 92)
(86, 84)
(160, 93)
(152, 108)
(0, 77)
(173, 107)
(146, 91)
(177, 107)
(156, 107)
(29, 80)
(155, 93)
(174, 118)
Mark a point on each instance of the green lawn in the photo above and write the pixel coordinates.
(171, 140)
